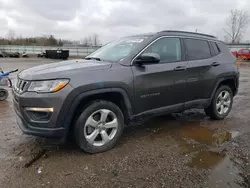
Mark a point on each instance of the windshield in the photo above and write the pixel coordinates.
(117, 50)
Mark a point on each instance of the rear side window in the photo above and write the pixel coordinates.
(197, 49)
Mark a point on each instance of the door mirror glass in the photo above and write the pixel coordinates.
(148, 58)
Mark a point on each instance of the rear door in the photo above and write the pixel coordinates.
(163, 84)
(201, 69)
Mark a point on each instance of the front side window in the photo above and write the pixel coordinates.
(169, 49)
(197, 49)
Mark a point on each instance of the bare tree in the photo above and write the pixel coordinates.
(236, 25)
(11, 35)
(95, 40)
(226, 39)
(90, 41)
(86, 41)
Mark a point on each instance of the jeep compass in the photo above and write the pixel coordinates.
(124, 81)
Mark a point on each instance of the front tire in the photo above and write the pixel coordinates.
(221, 104)
(99, 127)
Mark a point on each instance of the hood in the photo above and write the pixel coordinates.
(61, 69)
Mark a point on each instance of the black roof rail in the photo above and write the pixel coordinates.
(187, 32)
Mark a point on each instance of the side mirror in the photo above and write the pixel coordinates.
(148, 58)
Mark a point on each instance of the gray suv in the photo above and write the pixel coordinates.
(124, 81)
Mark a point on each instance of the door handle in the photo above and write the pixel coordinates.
(215, 64)
(180, 68)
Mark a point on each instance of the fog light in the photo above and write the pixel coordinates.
(39, 114)
(39, 109)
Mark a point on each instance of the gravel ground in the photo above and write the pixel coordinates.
(178, 150)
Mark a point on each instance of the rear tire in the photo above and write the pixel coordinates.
(3, 94)
(99, 127)
(221, 104)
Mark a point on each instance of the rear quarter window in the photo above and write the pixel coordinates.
(215, 47)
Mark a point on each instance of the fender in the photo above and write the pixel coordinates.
(221, 79)
(76, 101)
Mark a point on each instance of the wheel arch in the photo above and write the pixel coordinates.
(115, 95)
(231, 81)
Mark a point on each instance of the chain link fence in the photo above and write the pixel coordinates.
(236, 47)
(77, 51)
(34, 50)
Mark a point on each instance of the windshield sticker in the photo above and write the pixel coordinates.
(135, 41)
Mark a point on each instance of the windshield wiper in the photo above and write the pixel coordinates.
(94, 58)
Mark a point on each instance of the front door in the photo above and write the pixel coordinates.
(163, 84)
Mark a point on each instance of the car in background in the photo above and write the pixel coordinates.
(235, 54)
(243, 54)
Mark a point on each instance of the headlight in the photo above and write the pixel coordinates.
(48, 85)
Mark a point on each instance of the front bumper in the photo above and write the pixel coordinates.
(53, 127)
(43, 132)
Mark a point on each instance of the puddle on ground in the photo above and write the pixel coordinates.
(190, 136)
(225, 174)
(197, 133)
(205, 135)
(206, 160)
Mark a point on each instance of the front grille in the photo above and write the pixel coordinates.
(21, 86)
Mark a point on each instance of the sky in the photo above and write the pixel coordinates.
(112, 19)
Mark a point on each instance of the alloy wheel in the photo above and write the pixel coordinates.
(223, 102)
(100, 127)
